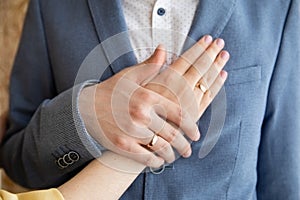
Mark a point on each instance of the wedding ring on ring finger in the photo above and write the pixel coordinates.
(153, 141)
(201, 87)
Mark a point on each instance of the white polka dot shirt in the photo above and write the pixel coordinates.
(154, 22)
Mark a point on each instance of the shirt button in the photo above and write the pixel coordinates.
(161, 11)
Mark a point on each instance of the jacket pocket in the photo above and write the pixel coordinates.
(244, 75)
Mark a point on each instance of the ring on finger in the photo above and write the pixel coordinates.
(201, 86)
(153, 141)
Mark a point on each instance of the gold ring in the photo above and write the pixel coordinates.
(201, 87)
(153, 141)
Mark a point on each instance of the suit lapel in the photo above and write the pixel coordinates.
(211, 18)
(111, 29)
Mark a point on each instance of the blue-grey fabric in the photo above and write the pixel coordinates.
(257, 154)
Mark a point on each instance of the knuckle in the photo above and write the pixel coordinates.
(173, 134)
(122, 143)
(209, 79)
(138, 112)
(129, 128)
(184, 116)
(180, 113)
(219, 63)
(165, 147)
(178, 117)
(168, 78)
(196, 69)
(145, 96)
(210, 95)
(216, 67)
(171, 77)
(212, 52)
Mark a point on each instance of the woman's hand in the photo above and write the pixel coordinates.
(192, 82)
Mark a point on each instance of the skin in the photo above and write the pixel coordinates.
(174, 88)
(98, 181)
(139, 101)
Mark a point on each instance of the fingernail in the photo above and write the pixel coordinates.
(223, 74)
(224, 55)
(220, 42)
(208, 39)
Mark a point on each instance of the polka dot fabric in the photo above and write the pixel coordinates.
(154, 22)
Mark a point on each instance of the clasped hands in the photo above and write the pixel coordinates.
(145, 115)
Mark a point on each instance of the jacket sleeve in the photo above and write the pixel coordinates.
(279, 152)
(46, 142)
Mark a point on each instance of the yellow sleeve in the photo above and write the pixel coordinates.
(51, 194)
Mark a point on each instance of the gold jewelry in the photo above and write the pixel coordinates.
(153, 141)
(201, 87)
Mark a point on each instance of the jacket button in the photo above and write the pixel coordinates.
(67, 159)
(73, 156)
(61, 163)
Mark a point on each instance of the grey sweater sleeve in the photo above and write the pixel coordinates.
(46, 142)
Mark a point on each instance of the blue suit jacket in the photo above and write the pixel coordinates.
(257, 153)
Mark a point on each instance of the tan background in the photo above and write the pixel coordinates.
(11, 20)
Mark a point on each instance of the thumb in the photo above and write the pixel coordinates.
(158, 56)
(145, 71)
